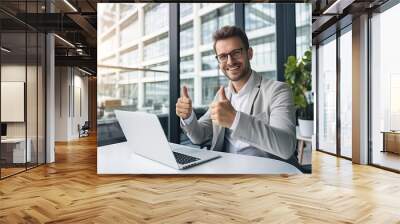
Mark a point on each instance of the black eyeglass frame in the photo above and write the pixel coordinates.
(229, 54)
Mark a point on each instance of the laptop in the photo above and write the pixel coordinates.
(145, 135)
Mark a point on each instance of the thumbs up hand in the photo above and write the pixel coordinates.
(184, 104)
(222, 111)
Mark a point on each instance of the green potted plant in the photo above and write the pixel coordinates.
(298, 76)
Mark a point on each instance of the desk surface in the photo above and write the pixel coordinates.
(119, 159)
(13, 140)
(390, 132)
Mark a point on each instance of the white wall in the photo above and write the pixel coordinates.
(79, 117)
(61, 103)
(70, 83)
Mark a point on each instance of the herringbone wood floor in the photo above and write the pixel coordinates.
(70, 191)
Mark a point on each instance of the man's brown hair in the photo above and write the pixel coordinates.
(230, 31)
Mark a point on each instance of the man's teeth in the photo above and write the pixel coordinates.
(234, 68)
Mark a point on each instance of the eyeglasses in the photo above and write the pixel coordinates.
(235, 54)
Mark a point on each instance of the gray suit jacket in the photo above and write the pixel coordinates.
(268, 123)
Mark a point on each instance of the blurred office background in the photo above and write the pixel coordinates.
(49, 69)
(357, 111)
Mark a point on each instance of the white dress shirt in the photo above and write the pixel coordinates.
(238, 101)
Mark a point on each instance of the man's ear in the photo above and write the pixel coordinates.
(250, 53)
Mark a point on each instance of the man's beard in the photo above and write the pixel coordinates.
(243, 74)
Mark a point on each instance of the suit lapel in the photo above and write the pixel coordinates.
(218, 132)
(254, 91)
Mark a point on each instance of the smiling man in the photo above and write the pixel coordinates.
(252, 115)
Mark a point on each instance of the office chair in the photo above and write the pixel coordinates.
(84, 130)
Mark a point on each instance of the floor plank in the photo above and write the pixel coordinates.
(70, 191)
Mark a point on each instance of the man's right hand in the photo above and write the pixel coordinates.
(184, 105)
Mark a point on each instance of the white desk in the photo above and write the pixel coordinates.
(119, 159)
(18, 154)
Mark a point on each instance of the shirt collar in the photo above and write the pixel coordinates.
(245, 89)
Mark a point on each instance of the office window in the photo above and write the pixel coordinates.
(303, 28)
(126, 9)
(268, 75)
(139, 25)
(185, 9)
(128, 76)
(156, 96)
(129, 58)
(129, 31)
(385, 88)
(346, 94)
(155, 17)
(157, 47)
(208, 61)
(163, 66)
(327, 96)
(186, 36)
(187, 65)
(208, 26)
(109, 60)
(215, 20)
(107, 86)
(129, 95)
(190, 85)
(107, 17)
(205, 5)
(259, 15)
(225, 16)
(264, 54)
(109, 45)
(260, 28)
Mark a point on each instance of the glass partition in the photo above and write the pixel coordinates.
(32, 98)
(260, 23)
(346, 93)
(303, 28)
(327, 96)
(15, 151)
(23, 91)
(138, 79)
(385, 89)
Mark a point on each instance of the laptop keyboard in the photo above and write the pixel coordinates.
(184, 159)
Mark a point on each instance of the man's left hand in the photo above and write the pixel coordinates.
(222, 111)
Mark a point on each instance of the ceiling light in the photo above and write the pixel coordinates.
(64, 40)
(5, 50)
(70, 5)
